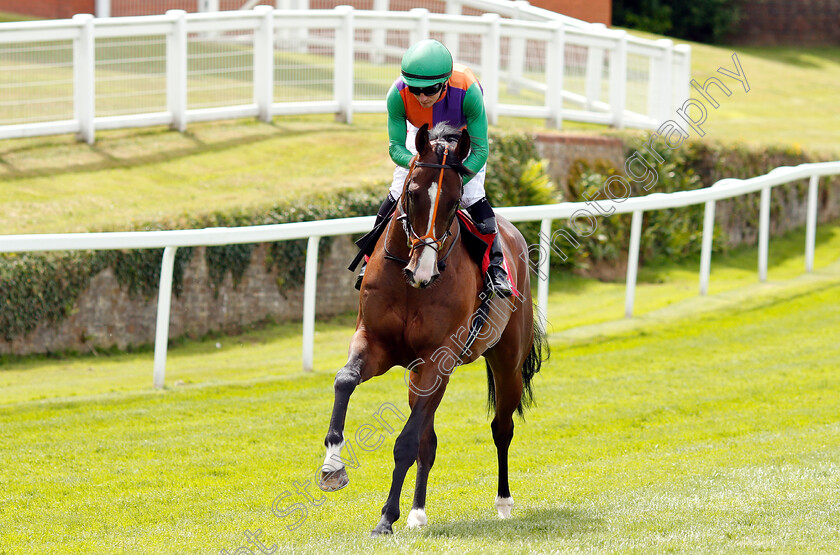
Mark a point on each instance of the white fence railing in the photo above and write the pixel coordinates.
(87, 74)
(313, 231)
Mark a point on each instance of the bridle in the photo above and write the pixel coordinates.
(415, 240)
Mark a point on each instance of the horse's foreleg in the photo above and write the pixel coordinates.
(407, 444)
(367, 359)
(425, 460)
(333, 474)
(405, 451)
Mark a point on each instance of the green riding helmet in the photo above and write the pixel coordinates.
(426, 63)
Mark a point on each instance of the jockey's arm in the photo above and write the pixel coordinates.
(397, 132)
(477, 128)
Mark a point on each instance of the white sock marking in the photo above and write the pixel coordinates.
(504, 506)
(332, 461)
(416, 518)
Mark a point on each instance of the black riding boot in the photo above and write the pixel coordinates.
(496, 275)
(485, 221)
(385, 210)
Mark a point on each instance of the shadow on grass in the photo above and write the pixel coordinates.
(525, 525)
(156, 141)
(781, 249)
(794, 56)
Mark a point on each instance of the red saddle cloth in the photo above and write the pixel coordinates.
(478, 244)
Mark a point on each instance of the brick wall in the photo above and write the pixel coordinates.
(48, 9)
(105, 315)
(596, 11)
(593, 11)
(562, 149)
(788, 22)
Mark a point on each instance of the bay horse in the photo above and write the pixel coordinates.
(422, 307)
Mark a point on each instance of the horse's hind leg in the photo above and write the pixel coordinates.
(508, 396)
(425, 461)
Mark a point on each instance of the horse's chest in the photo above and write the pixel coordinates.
(418, 326)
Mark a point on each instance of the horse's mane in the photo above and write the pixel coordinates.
(442, 135)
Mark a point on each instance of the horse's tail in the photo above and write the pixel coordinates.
(539, 353)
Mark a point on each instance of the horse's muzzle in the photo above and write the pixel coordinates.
(419, 283)
(422, 268)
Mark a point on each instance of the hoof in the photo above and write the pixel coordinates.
(504, 506)
(416, 519)
(333, 480)
(383, 528)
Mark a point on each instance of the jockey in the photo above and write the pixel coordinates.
(431, 89)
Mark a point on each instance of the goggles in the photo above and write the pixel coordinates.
(431, 90)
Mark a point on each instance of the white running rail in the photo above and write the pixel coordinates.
(313, 231)
(87, 74)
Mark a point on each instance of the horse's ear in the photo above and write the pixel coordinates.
(421, 141)
(464, 143)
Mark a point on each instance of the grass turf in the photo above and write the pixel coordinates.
(682, 431)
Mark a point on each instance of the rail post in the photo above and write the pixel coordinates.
(378, 36)
(763, 233)
(164, 306)
(517, 53)
(264, 62)
(102, 8)
(811, 223)
(490, 48)
(683, 76)
(706, 248)
(544, 271)
(594, 71)
(84, 78)
(453, 40)
(343, 65)
(618, 79)
(310, 286)
(176, 70)
(633, 262)
(421, 30)
(555, 69)
(660, 97)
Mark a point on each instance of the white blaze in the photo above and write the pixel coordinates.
(427, 261)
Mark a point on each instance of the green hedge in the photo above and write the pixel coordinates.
(708, 21)
(676, 234)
